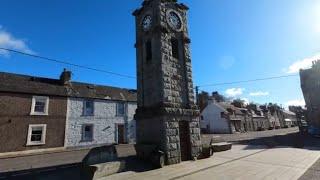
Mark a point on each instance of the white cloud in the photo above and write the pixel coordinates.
(259, 93)
(296, 102)
(9, 41)
(246, 101)
(233, 92)
(302, 64)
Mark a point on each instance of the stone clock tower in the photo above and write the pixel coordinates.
(167, 115)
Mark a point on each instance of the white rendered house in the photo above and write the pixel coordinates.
(214, 119)
(94, 121)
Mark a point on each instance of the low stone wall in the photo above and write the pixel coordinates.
(106, 169)
(100, 155)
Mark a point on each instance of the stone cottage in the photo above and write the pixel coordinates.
(213, 119)
(270, 113)
(260, 121)
(223, 118)
(289, 117)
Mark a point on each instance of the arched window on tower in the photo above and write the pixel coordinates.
(175, 48)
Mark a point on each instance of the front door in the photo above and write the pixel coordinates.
(184, 134)
(121, 134)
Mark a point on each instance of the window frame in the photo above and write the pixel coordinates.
(124, 109)
(43, 135)
(84, 110)
(83, 139)
(45, 99)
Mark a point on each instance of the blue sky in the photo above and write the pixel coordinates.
(231, 41)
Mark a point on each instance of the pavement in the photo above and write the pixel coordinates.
(242, 162)
(313, 173)
(251, 151)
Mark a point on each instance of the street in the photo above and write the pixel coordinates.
(246, 136)
(254, 155)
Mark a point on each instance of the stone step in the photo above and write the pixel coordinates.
(222, 146)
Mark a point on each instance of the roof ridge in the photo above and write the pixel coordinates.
(76, 82)
(18, 83)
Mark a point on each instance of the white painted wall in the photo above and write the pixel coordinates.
(212, 119)
(105, 122)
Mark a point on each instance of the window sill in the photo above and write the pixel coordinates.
(39, 114)
(120, 115)
(35, 144)
(83, 141)
(84, 115)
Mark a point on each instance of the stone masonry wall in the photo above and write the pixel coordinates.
(173, 139)
(172, 142)
(195, 137)
(104, 122)
(177, 73)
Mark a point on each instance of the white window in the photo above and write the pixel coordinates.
(36, 134)
(40, 105)
(88, 108)
(87, 132)
(120, 109)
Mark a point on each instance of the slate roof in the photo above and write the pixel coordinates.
(220, 107)
(17, 83)
(226, 106)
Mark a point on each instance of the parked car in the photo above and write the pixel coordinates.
(288, 123)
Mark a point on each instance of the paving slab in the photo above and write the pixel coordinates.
(242, 162)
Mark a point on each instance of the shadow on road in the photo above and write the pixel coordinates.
(81, 170)
(71, 171)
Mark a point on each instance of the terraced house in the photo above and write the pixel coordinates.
(99, 115)
(32, 113)
(41, 113)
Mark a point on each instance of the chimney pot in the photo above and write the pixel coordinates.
(65, 77)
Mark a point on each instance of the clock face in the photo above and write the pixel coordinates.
(146, 22)
(174, 20)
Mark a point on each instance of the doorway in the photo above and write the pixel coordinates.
(184, 134)
(120, 134)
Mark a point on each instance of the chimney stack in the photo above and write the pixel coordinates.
(65, 77)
